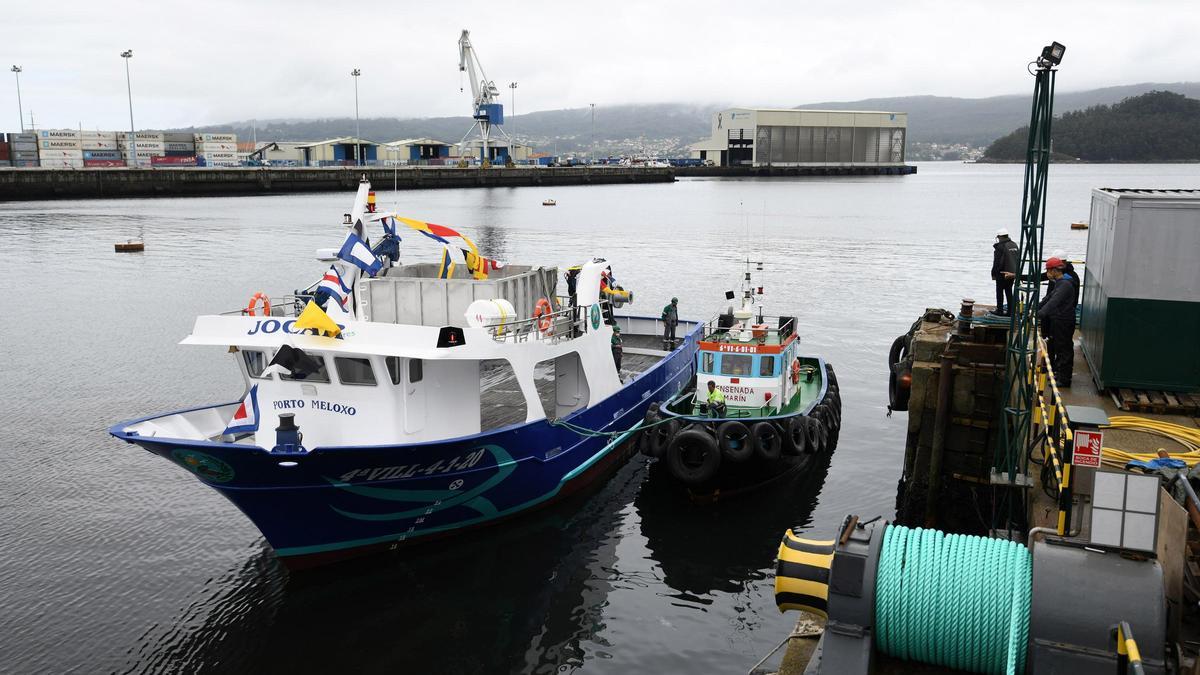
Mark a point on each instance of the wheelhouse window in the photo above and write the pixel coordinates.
(256, 362)
(737, 364)
(416, 369)
(320, 375)
(706, 362)
(354, 371)
(766, 366)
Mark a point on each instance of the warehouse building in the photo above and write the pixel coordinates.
(785, 137)
(499, 150)
(338, 152)
(414, 151)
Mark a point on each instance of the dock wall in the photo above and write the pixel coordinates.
(38, 184)
(786, 171)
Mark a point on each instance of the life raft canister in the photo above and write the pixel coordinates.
(254, 303)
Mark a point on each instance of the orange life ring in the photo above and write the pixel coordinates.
(796, 371)
(254, 303)
(542, 312)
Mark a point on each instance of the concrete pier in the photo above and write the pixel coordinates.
(793, 171)
(37, 184)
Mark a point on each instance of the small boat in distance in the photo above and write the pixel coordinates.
(549, 202)
(131, 246)
(777, 408)
(1079, 225)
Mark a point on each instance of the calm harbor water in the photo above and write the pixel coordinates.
(114, 560)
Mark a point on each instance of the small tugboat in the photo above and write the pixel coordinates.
(758, 408)
(549, 202)
(388, 404)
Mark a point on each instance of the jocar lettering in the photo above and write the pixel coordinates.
(268, 326)
(458, 463)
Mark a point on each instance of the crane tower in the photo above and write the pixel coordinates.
(485, 108)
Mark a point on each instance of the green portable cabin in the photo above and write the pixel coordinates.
(1140, 321)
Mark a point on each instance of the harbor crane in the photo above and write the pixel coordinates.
(485, 108)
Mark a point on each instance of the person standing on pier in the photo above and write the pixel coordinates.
(1057, 318)
(1004, 271)
(670, 319)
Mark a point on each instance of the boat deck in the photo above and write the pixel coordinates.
(500, 400)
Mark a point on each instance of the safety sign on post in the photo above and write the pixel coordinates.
(1088, 444)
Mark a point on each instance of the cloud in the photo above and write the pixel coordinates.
(223, 60)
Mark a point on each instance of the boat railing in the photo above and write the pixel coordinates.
(565, 323)
(780, 327)
(281, 305)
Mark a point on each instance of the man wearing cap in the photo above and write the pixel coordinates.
(670, 318)
(1004, 271)
(1056, 314)
(618, 348)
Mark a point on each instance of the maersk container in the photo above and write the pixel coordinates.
(1141, 304)
(72, 134)
(215, 138)
(177, 137)
(103, 154)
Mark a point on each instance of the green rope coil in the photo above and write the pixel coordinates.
(953, 600)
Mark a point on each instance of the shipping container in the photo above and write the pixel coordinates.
(24, 146)
(22, 154)
(177, 137)
(65, 134)
(5, 163)
(62, 163)
(216, 147)
(103, 154)
(25, 163)
(97, 163)
(190, 160)
(4, 150)
(23, 137)
(149, 136)
(219, 155)
(60, 143)
(1141, 312)
(142, 144)
(176, 146)
(179, 153)
(99, 144)
(216, 138)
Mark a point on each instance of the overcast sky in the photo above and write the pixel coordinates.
(219, 60)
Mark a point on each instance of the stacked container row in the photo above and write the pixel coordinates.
(23, 149)
(217, 150)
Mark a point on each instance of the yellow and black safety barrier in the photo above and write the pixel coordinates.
(1129, 659)
(1051, 414)
(802, 574)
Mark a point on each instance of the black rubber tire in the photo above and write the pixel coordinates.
(897, 395)
(798, 436)
(693, 457)
(765, 435)
(649, 426)
(829, 374)
(818, 436)
(788, 441)
(660, 437)
(814, 433)
(735, 441)
(769, 452)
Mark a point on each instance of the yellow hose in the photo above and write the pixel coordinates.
(1189, 437)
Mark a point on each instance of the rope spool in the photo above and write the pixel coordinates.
(953, 600)
(802, 574)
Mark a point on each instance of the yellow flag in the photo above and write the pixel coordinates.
(315, 317)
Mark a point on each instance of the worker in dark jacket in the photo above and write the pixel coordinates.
(1068, 271)
(1004, 271)
(1057, 318)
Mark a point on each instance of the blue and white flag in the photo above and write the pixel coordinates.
(332, 282)
(245, 420)
(355, 252)
(388, 231)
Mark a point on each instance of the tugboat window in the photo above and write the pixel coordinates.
(416, 370)
(393, 366)
(706, 366)
(256, 362)
(766, 366)
(354, 371)
(311, 369)
(736, 364)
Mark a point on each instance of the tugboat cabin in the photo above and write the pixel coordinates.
(756, 366)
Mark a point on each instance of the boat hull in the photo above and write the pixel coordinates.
(334, 503)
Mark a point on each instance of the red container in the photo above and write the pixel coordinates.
(93, 163)
(173, 161)
(4, 150)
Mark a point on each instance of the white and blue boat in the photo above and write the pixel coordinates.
(445, 402)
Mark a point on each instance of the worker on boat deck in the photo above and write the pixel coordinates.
(1004, 271)
(1057, 318)
(716, 401)
(617, 348)
(670, 319)
(615, 295)
(572, 275)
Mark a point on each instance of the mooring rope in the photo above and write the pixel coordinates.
(953, 600)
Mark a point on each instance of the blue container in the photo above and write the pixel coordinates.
(178, 153)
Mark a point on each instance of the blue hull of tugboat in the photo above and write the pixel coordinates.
(340, 502)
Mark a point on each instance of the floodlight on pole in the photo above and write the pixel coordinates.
(16, 70)
(357, 131)
(128, 54)
(1052, 55)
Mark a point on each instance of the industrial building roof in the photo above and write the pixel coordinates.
(345, 140)
(822, 110)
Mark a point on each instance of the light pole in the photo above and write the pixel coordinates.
(128, 54)
(513, 87)
(20, 110)
(357, 131)
(592, 152)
